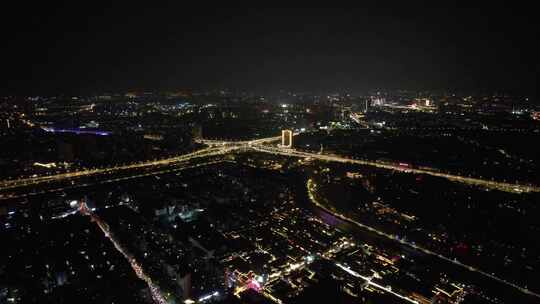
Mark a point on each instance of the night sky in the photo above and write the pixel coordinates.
(90, 48)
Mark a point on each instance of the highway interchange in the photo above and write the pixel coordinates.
(221, 148)
(216, 148)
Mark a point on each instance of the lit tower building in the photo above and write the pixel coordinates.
(286, 138)
(366, 105)
(378, 101)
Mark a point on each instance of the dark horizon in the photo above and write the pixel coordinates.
(77, 49)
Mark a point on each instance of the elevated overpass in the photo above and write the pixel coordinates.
(222, 148)
(217, 147)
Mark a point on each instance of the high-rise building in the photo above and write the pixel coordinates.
(286, 138)
(378, 101)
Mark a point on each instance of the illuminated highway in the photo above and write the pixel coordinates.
(217, 147)
(154, 289)
(153, 164)
(172, 169)
(433, 172)
(248, 143)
